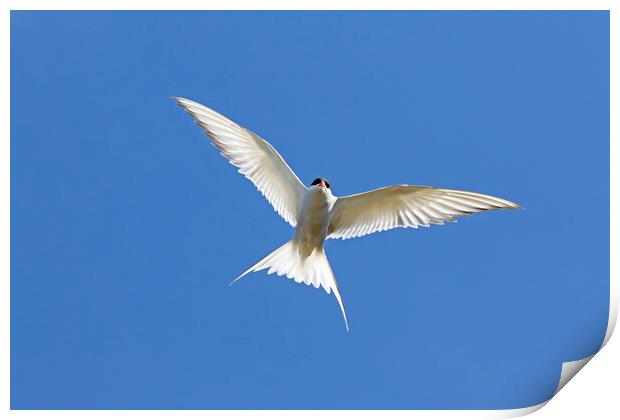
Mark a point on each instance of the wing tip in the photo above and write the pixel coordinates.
(184, 102)
(513, 205)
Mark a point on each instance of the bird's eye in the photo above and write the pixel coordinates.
(327, 184)
(316, 181)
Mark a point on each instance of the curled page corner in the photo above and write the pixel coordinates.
(571, 368)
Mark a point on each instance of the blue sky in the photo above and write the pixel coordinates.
(127, 226)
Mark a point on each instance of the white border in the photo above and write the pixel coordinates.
(569, 369)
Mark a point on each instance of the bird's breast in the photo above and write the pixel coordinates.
(313, 221)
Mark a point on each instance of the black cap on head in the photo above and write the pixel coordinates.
(318, 181)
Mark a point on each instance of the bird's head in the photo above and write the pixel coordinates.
(321, 183)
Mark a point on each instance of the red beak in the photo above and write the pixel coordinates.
(323, 184)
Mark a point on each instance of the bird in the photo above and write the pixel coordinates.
(316, 214)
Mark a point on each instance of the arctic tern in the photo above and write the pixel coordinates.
(316, 214)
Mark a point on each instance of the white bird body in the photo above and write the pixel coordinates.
(316, 214)
(313, 221)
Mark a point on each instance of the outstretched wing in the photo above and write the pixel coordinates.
(255, 158)
(405, 206)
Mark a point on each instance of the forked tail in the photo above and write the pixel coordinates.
(312, 270)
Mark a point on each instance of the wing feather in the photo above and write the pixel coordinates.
(256, 159)
(405, 206)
